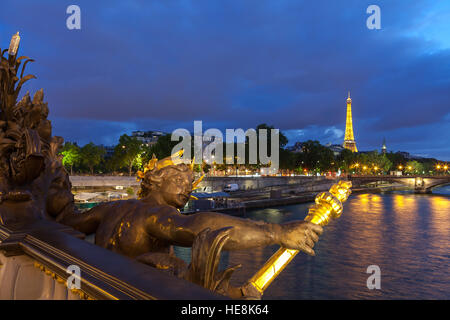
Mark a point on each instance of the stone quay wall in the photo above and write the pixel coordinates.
(103, 181)
(212, 184)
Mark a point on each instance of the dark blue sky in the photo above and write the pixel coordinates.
(143, 65)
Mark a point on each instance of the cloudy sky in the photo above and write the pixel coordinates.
(160, 65)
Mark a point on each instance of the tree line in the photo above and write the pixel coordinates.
(130, 155)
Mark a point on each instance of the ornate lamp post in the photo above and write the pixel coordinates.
(9, 76)
(27, 148)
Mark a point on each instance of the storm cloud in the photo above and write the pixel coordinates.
(234, 64)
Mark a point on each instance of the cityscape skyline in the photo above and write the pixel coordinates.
(277, 64)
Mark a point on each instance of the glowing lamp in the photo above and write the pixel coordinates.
(14, 44)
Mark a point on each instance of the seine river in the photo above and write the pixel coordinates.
(406, 235)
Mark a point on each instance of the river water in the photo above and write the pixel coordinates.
(405, 234)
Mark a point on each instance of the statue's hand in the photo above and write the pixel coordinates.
(300, 235)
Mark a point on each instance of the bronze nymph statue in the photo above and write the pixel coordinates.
(146, 229)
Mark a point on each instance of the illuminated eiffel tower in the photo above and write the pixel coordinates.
(349, 139)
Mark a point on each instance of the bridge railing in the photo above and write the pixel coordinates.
(103, 273)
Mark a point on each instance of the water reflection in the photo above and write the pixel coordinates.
(406, 235)
(442, 190)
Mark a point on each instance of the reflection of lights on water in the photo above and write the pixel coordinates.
(402, 202)
(375, 198)
(439, 221)
(399, 201)
(364, 198)
(273, 211)
(273, 215)
(440, 208)
(440, 204)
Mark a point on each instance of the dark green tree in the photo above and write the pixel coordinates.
(414, 167)
(346, 161)
(283, 140)
(129, 153)
(91, 156)
(316, 157)
(397, 160)
(163, 147)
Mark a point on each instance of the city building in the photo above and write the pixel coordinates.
(336, 148)
(407, 155)
(109, 151)
(147, 137)
(349, 139)
(297, 147)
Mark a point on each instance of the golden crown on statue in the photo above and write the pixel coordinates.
(171, 160)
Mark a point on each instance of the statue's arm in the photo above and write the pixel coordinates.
(245, 234)
(181, 230)
(86, 222)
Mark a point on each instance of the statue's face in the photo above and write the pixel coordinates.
(27, 162)
(176, 188)
(59, 195)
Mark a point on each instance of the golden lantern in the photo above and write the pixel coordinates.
(327, 205)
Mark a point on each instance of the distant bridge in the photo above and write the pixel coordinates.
(421, 184)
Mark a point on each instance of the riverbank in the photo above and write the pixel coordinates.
(305, 197)
(310, 196)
